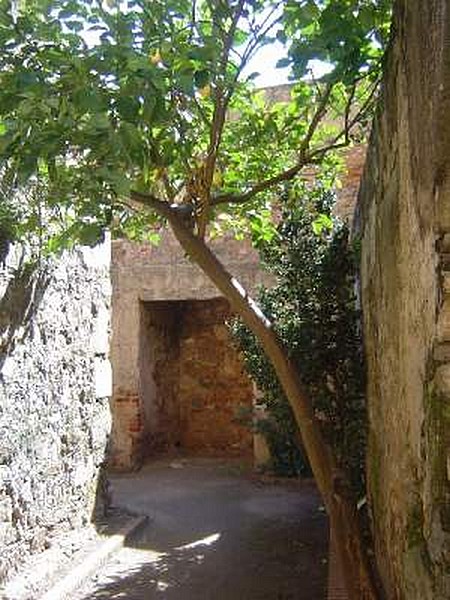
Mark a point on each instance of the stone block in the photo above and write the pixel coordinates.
(442, 380)
(443, 208)
(6, 510)
(443, 326)
(103, 377)
(441, 352)
(445, 243)
(446, 284)
(83, 473)
(101, 328)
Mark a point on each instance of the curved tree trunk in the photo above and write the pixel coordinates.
(339, 502)
(338, 499)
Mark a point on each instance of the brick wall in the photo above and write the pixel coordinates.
(214, 387)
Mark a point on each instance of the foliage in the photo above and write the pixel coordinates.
(8, 219)
(134, 114)
(123, 111)
(9, 216)
(101, 98)
(350, 35)
(313, 307)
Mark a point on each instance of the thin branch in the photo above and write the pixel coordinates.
(201, 111)
(220, 101)
(317, 155)
(348, 107)
(259, 34)
(154, 203)
(348, 124)
(317, 118)
(194, 14)
(311, 157)
(262, 185)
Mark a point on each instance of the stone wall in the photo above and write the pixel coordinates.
(214, 389)
(405, 227)
(143, 274)
(159, 379)
(193, 384)
(55, 382)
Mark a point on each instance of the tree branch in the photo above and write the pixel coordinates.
(290, 173)
(220, 100)
(348, 124)
(317, 118)
(161, 207)
(261, 186)
(305, 158)
(259, 33)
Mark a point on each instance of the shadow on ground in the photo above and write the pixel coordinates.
(216, 534)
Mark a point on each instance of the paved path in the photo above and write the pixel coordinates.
(216, 534)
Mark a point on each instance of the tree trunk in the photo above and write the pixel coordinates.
(339, 502)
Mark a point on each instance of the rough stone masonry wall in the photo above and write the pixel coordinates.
(54, 407)
(214, 389)
(143, 274)
(193, 384)
(405, 274)
(159, 367)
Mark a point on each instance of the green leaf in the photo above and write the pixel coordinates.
(322, 223)
(201, 78)
(99, 121)
(90, 234)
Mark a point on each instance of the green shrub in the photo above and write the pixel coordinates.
(314, 310)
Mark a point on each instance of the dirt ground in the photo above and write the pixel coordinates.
(216, 533)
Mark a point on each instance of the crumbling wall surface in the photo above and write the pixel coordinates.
(143, 274)
(215, 392)
(159, 380)
(405, 240)
(54, 397)
(193, 389)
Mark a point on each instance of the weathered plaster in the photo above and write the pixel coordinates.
(406, 310)
(146, 274)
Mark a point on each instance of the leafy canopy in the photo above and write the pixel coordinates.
(103, 101)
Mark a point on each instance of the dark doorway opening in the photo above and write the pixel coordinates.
(193, 386)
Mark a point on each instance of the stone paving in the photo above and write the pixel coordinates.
(217, 533)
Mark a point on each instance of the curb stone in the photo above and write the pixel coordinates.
(81, 572)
